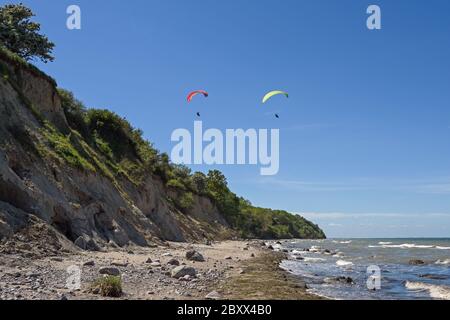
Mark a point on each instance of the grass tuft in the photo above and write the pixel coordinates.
(108, 286)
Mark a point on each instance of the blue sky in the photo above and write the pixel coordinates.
(364, 136)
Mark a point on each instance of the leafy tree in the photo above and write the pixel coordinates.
(21, 36)
(199, 182)
(226, 201)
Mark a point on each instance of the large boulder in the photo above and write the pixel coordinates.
(194, 255)
(182, 271)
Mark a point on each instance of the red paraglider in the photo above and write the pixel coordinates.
(194, 93)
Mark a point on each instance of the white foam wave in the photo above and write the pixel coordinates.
(315, 249)
(309, 259)
(436, 292)
(442, 248)
(446, 261)
(343, 263)
(408, 246)
(381, 242)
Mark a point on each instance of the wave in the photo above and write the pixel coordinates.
(435, 291)
(381, 242)
(343, 263)
(345, 242)
(309, 259)
(408, 246)
(446, 261)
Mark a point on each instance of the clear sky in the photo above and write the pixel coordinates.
(365, 133)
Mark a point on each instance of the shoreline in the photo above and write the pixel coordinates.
(230, 270)
(264, 279)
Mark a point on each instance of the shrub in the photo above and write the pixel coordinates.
(186, 201)
(175, 184)
(75, 112)
(64, 148)
(108, 286)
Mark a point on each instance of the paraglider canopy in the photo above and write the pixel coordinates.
(194, 93)
(274, 93)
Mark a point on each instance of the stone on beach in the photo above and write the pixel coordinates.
(194, 255)
(181, 271)
(111, 271)
(214, 295)
(173, 262)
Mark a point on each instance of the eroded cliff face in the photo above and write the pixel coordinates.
(74, 205)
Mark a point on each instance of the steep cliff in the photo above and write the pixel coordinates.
(74, 186)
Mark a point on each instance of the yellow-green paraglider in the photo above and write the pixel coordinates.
(274, 93)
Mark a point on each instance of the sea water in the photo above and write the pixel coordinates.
(325, 260)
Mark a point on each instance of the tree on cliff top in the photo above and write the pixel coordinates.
(21, 36)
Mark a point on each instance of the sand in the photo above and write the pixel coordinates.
(231, 270)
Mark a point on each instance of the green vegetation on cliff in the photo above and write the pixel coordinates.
(126, 151)
(102, 142)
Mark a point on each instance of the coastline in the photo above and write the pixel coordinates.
(264, 279)
(231, 270)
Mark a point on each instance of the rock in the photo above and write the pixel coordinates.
(91, 245)
(208, 242)
(155, 264)
(81, 243)
(214, 295)
(90, 263)
(416, 262)
(173, 262)
(32, 274)
(342, 279)
(229, 258)
(186, 278)
(148, 260)
(119, 264)
(111, 271)
(182, 271)
(270, 247)
(299, 258)
(301, 285)
(252, 255)
(57, 259)
(167, 254)
(245, 249)
(195, 256)
(150, 293)
(95, 290)
(434, 276)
